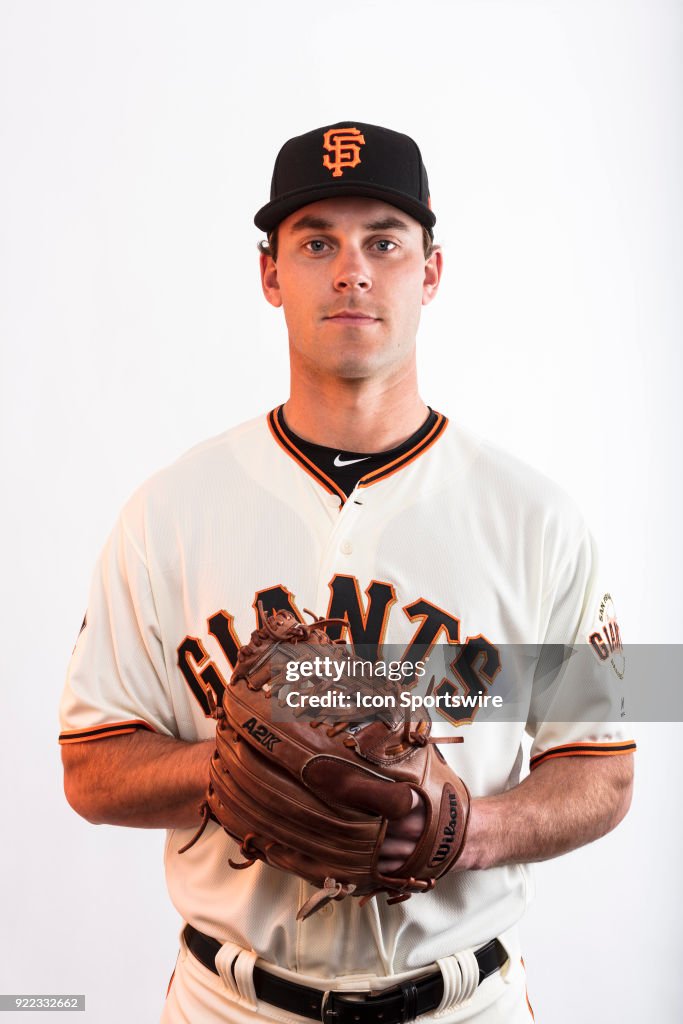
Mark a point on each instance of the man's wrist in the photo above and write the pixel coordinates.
(483, 837)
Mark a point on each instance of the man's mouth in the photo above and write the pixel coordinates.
(352, 316)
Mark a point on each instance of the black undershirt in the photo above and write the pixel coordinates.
(361, 463)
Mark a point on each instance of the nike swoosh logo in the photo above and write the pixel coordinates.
(339, 462)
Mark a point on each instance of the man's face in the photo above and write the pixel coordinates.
(351, 276)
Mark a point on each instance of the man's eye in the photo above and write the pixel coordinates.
(384, 245)
(316, 245)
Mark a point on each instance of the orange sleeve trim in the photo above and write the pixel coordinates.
(584, 750)
(99, 732)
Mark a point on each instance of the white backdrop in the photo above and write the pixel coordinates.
(137, 141)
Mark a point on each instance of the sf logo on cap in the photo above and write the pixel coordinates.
(344, 145)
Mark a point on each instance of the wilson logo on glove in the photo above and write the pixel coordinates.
(449, 832)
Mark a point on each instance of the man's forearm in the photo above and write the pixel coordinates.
(565, 803)
(141, 779)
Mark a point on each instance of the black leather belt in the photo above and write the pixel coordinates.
(394, 1006)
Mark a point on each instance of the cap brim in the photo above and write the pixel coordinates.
(270, 215)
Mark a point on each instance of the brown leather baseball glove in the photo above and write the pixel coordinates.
(312, 790)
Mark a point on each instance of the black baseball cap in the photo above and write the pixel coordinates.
(349, 158)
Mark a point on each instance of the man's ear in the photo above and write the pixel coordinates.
(433, 270)
(269, 281)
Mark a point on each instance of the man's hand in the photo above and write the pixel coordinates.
(563, 804)
(402, 836)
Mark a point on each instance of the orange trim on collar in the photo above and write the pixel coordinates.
(325, 481)
(291, 449)
(407, 457)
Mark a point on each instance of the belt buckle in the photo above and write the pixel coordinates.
(330, 1015)
(327, 1014)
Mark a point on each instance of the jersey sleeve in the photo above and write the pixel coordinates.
(117, 678)
(578, 686)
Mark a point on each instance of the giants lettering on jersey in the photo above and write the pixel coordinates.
(474, 667)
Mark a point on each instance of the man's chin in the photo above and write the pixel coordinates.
(357, 369)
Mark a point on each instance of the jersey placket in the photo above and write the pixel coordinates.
(340, 547)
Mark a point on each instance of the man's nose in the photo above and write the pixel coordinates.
(352, 273)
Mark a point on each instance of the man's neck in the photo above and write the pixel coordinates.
(356, 416)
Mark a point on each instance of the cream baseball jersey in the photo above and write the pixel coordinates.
(454, 543)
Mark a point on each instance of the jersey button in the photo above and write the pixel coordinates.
(346, 547)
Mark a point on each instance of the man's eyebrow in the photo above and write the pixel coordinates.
(309, 222)
(387, 224)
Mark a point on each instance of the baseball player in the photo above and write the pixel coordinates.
(355, 499)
